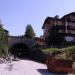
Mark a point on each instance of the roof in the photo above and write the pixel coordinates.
(72, 13)
(6, 30)
(48, 19)
(38, 38)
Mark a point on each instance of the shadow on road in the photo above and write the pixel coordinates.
(46, 72)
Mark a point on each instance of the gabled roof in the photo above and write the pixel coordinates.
(72, 13)
(6, 30)
(63, 18)
(48, 19)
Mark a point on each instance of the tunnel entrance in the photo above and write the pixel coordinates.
(20, 50)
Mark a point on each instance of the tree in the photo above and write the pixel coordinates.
(29, 32)
(3, 42)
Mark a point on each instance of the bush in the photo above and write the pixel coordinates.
(50, 51)
(70, 52)
(37, 55)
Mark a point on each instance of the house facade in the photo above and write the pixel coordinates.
(57, 30)
(39, 42)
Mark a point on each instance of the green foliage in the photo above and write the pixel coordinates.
(50, 51)
(70, 52)
(3, 42)
(37, 55)
(29, 32)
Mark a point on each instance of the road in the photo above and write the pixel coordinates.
(24, 67)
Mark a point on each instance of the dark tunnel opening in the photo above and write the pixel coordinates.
(20, 50)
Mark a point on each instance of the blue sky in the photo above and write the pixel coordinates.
(16, 14)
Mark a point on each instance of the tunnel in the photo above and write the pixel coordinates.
(20, 50)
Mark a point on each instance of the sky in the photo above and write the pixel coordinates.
(16, 14)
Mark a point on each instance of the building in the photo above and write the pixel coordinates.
(60, 31)
(39, 42)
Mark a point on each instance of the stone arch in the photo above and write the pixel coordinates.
(20, 50)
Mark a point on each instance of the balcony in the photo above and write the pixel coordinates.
(66, 29)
